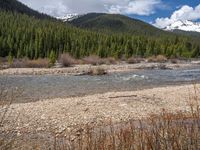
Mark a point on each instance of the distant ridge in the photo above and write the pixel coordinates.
(16, 6)
(115, 23)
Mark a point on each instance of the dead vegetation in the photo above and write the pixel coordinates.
(97, 71)
(158, 59)
(134, 60)
(67, 60)
(164, 131)
(179, 130)
(26, 63)
(96, 60)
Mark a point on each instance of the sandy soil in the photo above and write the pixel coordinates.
(65, 114)
(81, 69)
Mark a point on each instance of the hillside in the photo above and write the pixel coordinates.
(22, 34)
(115, 23)
(16, 6)
(187, 33)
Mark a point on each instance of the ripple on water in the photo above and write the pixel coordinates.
(134, 77)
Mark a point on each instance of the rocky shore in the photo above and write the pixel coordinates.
(63, 115)
(82, 69)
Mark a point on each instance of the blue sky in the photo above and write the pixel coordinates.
(166, 11)
(157, 12)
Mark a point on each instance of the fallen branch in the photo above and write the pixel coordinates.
(123, 96)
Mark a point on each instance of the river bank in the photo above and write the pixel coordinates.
(84, 69)
(63, 115)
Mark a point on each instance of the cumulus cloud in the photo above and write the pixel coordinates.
(184, 13)
(142, 7)
(60, 7)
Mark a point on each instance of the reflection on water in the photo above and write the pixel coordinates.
(49, 86)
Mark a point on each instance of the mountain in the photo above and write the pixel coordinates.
(184, 26)
(23, 35)
(16, 6)
(69, 17)
(115, 23)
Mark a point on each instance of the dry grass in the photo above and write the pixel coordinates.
(110, 61)
(159, 59)
(179, 130)
(97, 71)
(93, 60)
(174, 61)
(166, 131)
(26, 63)
(67, 60)
(96, 60)
(134, 60)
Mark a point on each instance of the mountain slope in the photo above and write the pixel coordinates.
(22, 34)
(115, 23)
(16, 6)
(184, 26)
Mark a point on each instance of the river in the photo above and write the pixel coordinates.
(52, 86)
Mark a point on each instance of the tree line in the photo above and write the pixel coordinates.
(24, 36)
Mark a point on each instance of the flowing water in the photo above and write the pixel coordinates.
(52, 86)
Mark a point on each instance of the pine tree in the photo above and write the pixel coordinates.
(52, 58)
(10, 58)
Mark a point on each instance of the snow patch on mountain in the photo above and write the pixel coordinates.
(184, 25)
(69, 17)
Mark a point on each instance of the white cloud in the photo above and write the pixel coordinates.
(184, 13)
(139, 7)
(60, 7)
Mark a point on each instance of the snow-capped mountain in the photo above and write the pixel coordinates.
(69, 17)
(184, 25)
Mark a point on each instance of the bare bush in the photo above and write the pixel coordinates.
(67, 60)
(25, 63)
(151, 59)
(159, 59)
(109, 61)
(134, 60)
(164, 131)
(97, 71)
(180, 130)
(93, 60)
(174, 61)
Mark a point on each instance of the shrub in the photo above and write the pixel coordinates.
(10, 59)
(97, 71)
(159, 59)
(66, 60)
(109, 60)
(174, 61)
(39, 63)
(93, 60)
(134, 60)
(151, 59)
(158, 131)
(52, 58)
(19, 64)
